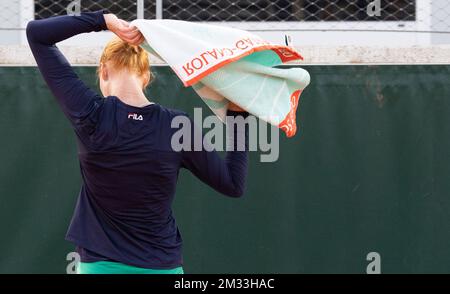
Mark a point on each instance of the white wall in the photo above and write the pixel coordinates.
(14, 15)
(440, 21)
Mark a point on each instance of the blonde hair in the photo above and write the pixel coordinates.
(123, 56)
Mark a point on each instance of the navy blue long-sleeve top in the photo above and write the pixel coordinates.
(129, 169)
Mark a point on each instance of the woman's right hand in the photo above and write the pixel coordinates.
(123, 30)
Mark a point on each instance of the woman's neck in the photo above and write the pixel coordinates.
(128, 90)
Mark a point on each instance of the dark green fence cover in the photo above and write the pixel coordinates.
(369, 171)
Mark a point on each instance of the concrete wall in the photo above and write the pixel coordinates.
(15, 14)
(441, 21)
(89, 55)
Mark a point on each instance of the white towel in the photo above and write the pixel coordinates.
(226, 64)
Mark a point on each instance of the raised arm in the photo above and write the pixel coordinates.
(227, 176)
(76, 99)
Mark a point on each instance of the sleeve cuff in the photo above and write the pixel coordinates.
(101, 19)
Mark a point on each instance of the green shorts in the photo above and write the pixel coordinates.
(109, 267)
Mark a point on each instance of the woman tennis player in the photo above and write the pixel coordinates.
(123, 221)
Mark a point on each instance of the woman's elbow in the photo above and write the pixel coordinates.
(31, 29)
(236, 192)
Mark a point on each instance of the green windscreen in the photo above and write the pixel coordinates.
(368, 171)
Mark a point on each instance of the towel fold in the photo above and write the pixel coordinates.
(224, 64)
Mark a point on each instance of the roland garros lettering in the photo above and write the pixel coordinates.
(216, 55)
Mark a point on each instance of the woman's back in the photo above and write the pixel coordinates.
(129, 179)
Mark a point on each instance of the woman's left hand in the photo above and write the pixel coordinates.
(234, 107)
(124, 30)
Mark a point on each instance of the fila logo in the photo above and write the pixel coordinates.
(135, 116)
